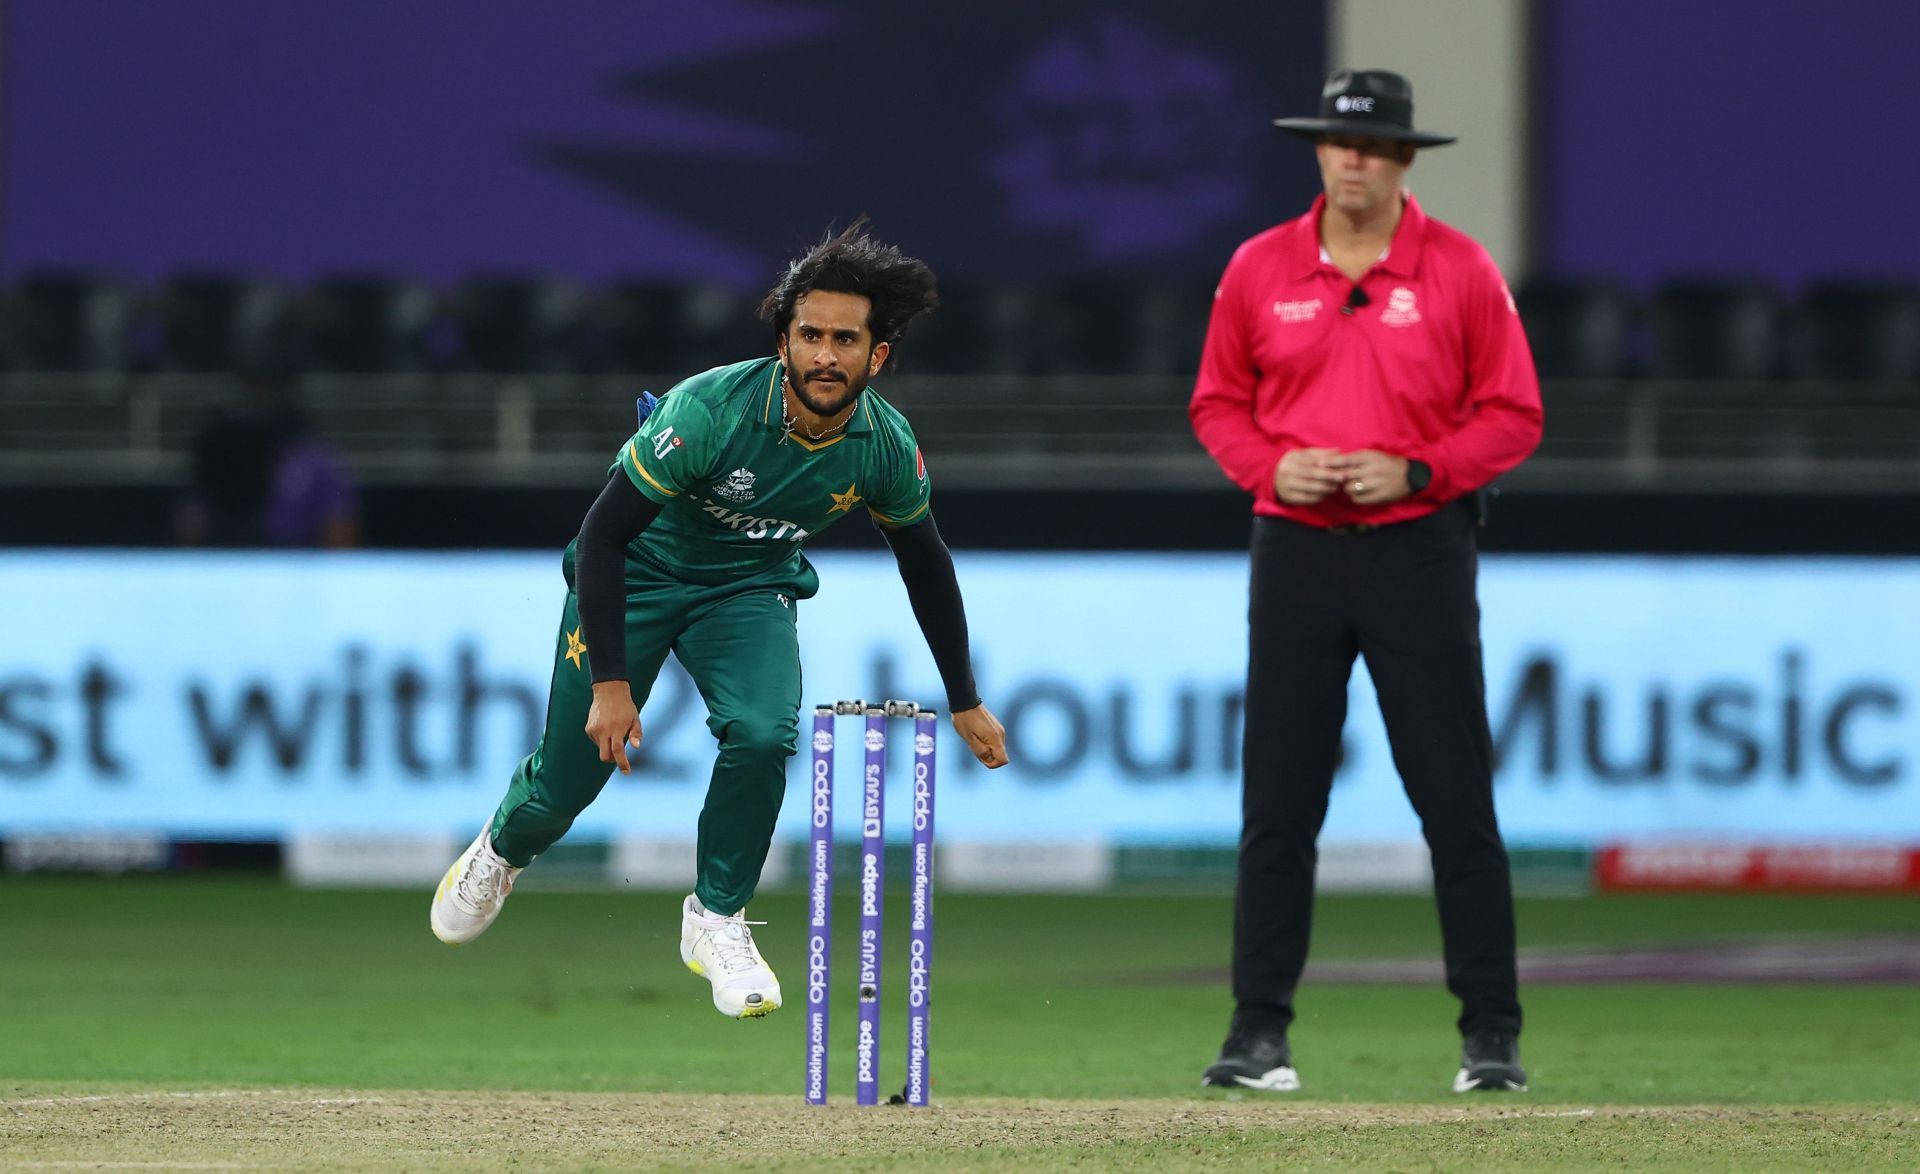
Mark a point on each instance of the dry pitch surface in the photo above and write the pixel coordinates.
(308, 1128)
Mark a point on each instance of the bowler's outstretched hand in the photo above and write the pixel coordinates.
(983, 734)
(613, 724)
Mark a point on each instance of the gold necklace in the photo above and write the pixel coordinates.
(789, 424)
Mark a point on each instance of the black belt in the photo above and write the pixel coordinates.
(1468, 503)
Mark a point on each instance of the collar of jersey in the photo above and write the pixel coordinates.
(1402, 258)
(862, 420)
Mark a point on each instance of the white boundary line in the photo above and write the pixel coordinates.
(191, 1094)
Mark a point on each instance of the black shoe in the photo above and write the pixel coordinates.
(1253, 1057)
(1490, 1062)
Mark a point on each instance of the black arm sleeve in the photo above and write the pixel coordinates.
(926, 567)
(617, 517)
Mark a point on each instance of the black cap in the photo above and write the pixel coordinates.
(1373, 102)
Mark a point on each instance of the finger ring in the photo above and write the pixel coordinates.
(1359, 486)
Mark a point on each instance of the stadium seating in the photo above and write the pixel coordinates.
(1578, 329)
(660, 328)
(362, 324)
(633, 326)
(67, 322)
(1075, 381)
(514, 324)
(1082, 327)
(1859, 330)
(1716, 330)
(1085, 326)
(1122, 327)
(216, 322)
(1171, 322)
(979, 328)
(510, 323)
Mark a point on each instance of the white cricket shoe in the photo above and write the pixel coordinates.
(721, 950)
(470, 895)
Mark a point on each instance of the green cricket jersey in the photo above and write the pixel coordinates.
(741, 496)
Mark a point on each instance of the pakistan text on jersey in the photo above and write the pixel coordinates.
(754, 527)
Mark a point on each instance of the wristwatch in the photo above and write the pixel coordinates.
(1419, 476)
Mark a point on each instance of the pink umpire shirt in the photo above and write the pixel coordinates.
(1433, 367)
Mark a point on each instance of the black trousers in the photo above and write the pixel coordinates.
(1403, 596)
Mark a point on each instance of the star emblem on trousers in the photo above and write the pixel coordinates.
(575, 647)
(843, 501)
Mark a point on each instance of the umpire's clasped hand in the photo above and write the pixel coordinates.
(1370, 477)
(1306, 476)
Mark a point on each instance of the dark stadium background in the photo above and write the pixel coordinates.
(1710, 263)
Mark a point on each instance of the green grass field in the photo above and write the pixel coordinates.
(189, 1019)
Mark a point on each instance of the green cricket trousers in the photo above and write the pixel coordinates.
(740, 645)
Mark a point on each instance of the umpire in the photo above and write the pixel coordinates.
(1364, 375)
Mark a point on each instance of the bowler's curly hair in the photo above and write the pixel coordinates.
(900, 287)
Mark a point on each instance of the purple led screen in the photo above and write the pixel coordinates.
(651, 138)
(1772, 139)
